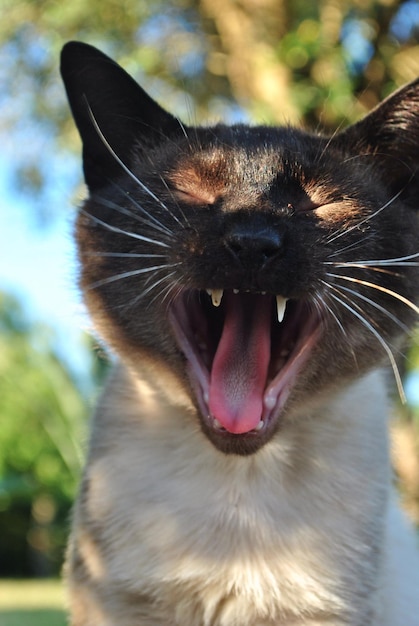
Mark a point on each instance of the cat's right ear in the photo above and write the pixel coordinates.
(390, 134)
(113, 114)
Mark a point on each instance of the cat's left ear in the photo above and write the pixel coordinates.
(391, 134)
(112, 112)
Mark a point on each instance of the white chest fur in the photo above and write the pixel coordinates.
(296, 534)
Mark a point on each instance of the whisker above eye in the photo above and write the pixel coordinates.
(366, 219)
(177, 204)
(355, 244)
(119, 160)
(128, 233)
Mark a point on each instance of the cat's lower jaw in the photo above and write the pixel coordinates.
(169, 531)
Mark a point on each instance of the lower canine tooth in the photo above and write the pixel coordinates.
(217, 423)
(260, 425)
(280, 307)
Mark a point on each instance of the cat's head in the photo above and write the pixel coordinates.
(263, 267)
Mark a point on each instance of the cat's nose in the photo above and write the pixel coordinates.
(254, 245)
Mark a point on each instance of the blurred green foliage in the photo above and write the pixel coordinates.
(42, 415)
(325, 63)
(35, 617)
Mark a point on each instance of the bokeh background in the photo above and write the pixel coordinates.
(322, 64)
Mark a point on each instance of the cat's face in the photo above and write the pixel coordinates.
(264, 267)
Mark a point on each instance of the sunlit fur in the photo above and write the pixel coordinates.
(177, 523)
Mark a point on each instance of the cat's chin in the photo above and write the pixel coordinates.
(244, 353)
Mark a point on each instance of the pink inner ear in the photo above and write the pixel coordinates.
(240, 367)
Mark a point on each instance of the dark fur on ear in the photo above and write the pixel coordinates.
(102, 95)
(390, 133)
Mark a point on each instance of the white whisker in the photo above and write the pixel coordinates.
(149, 220)
(129, 274)
(402, 260)
(119, 160)
(112, 205)
(330, 140)
(177, 204)
(389, 292)
(366, 219)
(355, 244)
(376, 334)
(330, 310)
(370, 268)
(166, 290)
(175, 290)
(150, 288)
(183, 128)
(126, 255)
(338, 322)
(376, 306)
(128, 233)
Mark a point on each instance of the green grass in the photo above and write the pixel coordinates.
(31, 603)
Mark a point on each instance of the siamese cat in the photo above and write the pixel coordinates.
(253, 283)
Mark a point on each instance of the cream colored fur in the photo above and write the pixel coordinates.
(169, 531)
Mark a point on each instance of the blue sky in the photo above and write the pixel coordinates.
(38, 263)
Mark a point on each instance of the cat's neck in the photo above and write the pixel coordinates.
(269, 507)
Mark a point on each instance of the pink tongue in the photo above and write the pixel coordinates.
(240, 367)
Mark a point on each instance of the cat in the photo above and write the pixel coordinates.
(255, 283)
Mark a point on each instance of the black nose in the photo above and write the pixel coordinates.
(254, 244)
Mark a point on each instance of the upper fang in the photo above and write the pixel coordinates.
(216, 296)
(280, 307)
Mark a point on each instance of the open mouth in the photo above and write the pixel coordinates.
(244, 353)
